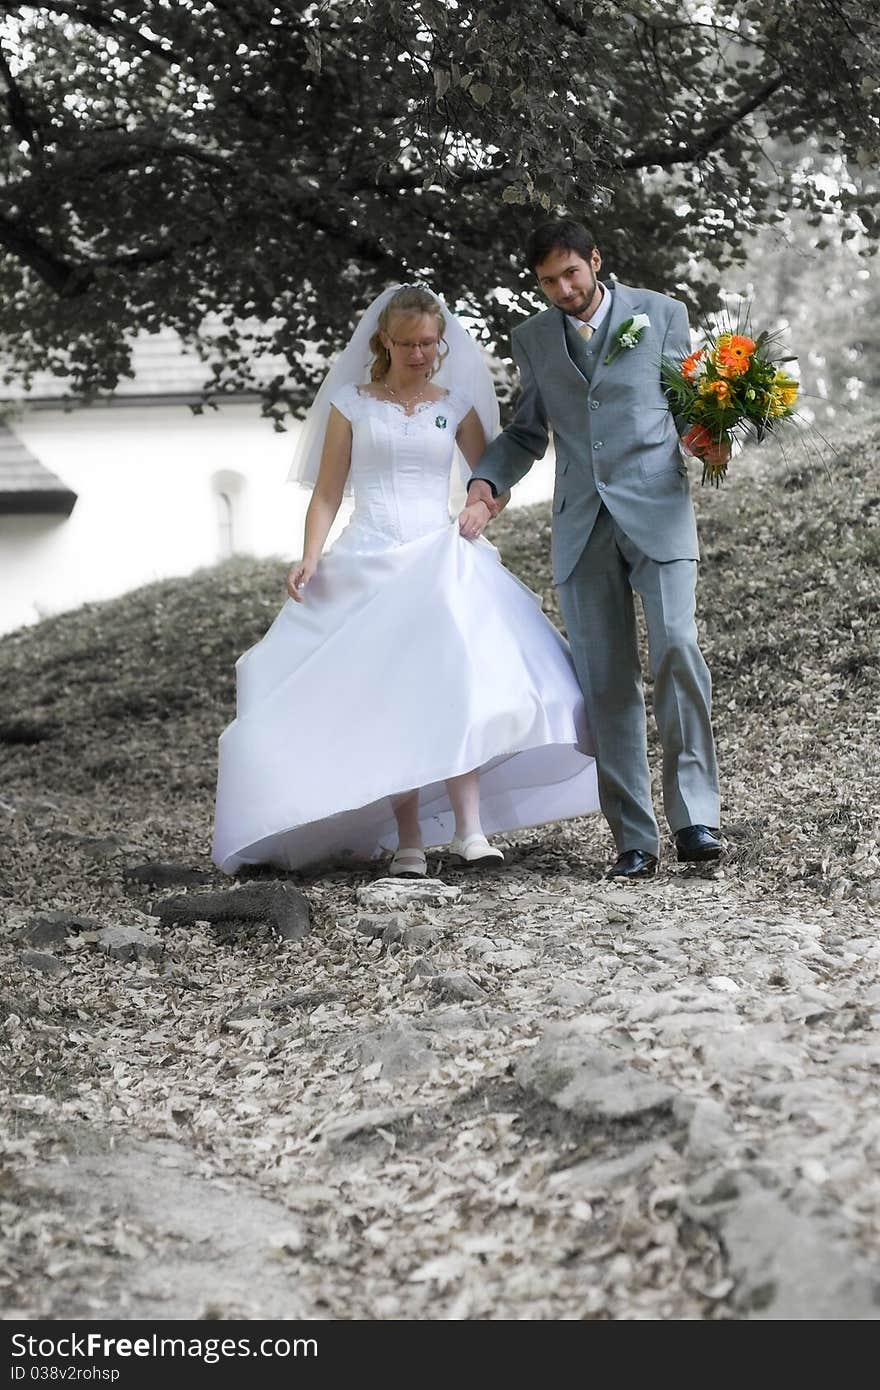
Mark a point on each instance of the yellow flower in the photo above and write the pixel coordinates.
(782, 395)
(786, 388)
(719, 389)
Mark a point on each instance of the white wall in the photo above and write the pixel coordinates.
(147, 506)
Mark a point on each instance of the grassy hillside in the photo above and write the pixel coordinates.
(112, 712)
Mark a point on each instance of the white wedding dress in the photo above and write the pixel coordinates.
(414, 656)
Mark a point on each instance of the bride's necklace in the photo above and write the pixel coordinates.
(406, 401)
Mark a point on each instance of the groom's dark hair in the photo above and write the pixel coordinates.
(559, 234)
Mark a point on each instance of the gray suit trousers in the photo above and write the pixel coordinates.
(599, 612)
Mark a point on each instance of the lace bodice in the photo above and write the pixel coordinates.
(400, 466)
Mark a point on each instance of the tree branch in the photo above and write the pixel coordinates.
(566, 21)
(687, 152)
(152, 255)
(112, 24)
(19, 115)
(70, 280)
(62, 276)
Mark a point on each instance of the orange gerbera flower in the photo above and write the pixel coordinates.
(691, 364)
(733, 353)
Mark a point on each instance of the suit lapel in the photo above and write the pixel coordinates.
(554, 344)
(624, 303)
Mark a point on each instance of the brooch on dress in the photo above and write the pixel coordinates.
(440, 422)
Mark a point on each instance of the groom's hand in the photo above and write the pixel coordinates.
(700, 445)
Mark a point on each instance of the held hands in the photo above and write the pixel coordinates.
(298, 577)
(481, 506)
(472, 521)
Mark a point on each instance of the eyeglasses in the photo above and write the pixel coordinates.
(426, 345)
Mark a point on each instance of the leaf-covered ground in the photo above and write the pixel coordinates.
(136, 1101)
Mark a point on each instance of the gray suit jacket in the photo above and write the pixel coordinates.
(615, 438)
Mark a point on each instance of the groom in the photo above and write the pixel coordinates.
(623, 524)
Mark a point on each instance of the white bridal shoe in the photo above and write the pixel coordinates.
(475, 849)
(408, 863)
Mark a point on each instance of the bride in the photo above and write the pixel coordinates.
(410, 692)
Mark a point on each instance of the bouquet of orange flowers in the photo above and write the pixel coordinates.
(733, 387)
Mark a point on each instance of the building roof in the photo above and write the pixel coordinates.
(164, 370)
(27, 487)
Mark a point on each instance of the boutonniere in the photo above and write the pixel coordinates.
(629, 335)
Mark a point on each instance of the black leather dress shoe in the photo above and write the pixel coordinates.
(633, 863)
(697, 843)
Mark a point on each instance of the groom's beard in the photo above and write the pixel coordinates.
(578, 305)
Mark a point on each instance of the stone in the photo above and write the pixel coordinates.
(400, 892)
(597, 1175)
(571, 1070)
(454, 986)
(723, 983)
(42, 961)
(678, 1001)
(793, 1267)
(128, 943)
(420, 968)
(101, 846)
(709, 1131)
(570, 995)
(399, 1050)
(279, 906)
(338, 1132)
(92, 846)
(375, 925)
(710, 1191)
(447, 1020)
(157, 874)
(307, 999)
(681, 1027)
(411, 934)
(53, 928)
(508, 958)
(757, 1049)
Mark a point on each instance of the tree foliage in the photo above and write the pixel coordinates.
(269, 167)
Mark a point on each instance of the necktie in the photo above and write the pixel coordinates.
(586, 331)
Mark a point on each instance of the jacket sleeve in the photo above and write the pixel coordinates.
(677, 345)
(509, 457)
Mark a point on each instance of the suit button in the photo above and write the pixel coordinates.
(594, 405)
(598, 444)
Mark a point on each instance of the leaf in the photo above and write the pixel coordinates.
(481, 93)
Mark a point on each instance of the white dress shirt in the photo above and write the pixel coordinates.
(599, 317)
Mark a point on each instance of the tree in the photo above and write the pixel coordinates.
(271, 166)
(818, 287)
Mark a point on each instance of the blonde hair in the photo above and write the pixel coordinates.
(414, 302)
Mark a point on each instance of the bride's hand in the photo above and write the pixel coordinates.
(472, 521)
(298, 577)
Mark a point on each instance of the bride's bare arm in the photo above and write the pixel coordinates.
(326, 500)
(471, 439)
